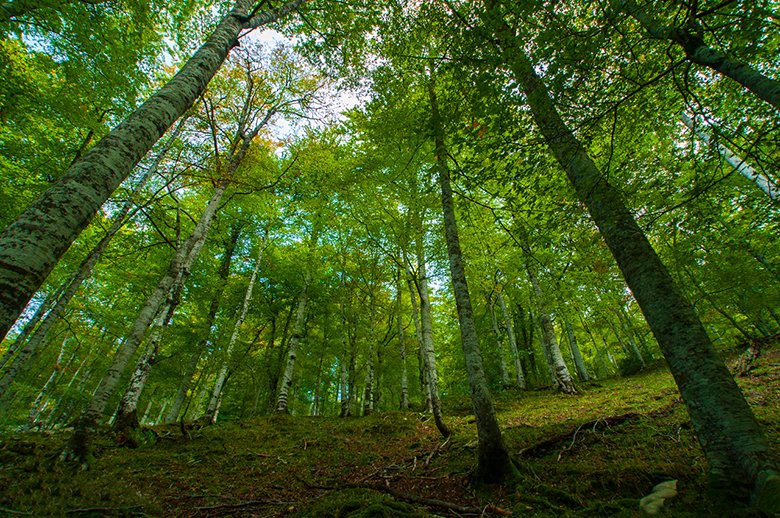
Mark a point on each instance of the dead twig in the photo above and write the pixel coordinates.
(102, 509)
(245, 503)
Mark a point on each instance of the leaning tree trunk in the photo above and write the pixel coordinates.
(510, 333)
(427, 353)
(761, 181)
(765, 88)
(216, 395)
(78, 447)
(186, 380)
(494, 463)
(69, 289)
(742, 463)
(559, 369)
(31, 246)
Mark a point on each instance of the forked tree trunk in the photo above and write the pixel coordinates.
(31, 246)
(494, 463)
(742, 463)
(300, 326)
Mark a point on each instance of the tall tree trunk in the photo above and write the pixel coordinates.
(343, 395)
(510, 333)
(401, 340)
(78, 447)
(697, 51)
(425, 389)
(300, 326)
(579, 362)
(561, 376)
(428, 354)
(216, 395)
(31, 246)
(741, 461)
(494, 463)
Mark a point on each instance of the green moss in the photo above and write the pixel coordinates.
(359, 503)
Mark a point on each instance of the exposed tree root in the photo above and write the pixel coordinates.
(546, 445)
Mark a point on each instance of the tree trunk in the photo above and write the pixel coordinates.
(499, 347)
(560, 371)
(300, 326)
(344, 397)
(401, 342)
(510, 333)
(78, 447)
(425, 389)
(216, 395)
(697, 51)
(579, 362)
(494, 462)
(31, 246)
(740, 458)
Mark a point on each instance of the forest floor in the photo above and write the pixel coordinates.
(593, 454)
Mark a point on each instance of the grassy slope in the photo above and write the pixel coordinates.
(293, 465)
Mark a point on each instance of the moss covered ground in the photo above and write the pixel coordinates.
(593, 454)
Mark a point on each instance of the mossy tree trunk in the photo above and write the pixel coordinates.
(742, 464)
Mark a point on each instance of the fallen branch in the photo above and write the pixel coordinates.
(102, 509)
(245, 503)
(13, 511)
(544, 446)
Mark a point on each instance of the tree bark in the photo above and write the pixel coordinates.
(425, 389)
(404, 405)
(742, 463)
(698, 52)
(510, 333)
(212, 412)
(494, 463)
(579, 362)
(502, 370)
(31, 246)
(762, 182)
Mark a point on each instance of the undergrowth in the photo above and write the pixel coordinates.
(594, 454)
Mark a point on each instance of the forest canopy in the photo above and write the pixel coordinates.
(214, 211)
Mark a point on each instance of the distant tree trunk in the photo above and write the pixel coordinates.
(560, 371)
(275, 363)
(494, 463)
(219, 384)
(78, 447)
(510, 333)
(579, 362)
(499, 347)
(425, 389)
(300, 326)
(401, 341)
(31, 246)
(740, 458)
(762, 181)
(343, 395)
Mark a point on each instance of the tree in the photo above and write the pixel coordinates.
(33, 244)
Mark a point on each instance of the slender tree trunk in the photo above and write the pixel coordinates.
(741, 460)
(510, 333)
(494, 463)
(579, 362)
(344, 397)
(425, 389)
(300, 326)
(78, 447)
(499, 347)
(561, 376)
(31, 246)
(763, 182)
(216, 395)
(401, 341)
